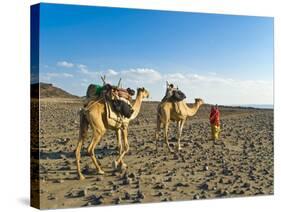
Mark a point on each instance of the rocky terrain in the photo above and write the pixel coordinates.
(240, 164)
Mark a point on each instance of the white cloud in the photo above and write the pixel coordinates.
(111, 72)
(138, 75)
(85, 80)
(46, 77)
(65, 64)
(141, 75)
(217, 89)
(67, 75)
(212, 73)
(83, 69)
(52, 74)
(211, 87)
(83, 84)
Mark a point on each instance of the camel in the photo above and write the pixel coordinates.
(96, 118)
(174, 112)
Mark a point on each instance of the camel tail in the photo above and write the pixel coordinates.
(84, 124)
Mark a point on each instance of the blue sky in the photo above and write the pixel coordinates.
(221, 58)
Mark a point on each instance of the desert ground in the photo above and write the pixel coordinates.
(239, 164)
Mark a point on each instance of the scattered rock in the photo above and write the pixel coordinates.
(204, 186)
(76, 193)
(246, 185)
(87, 170)
(52, 197)
(222, 192)
(117, 201)
(180, 184)
(169, 179)
(127, 196)
(132, 175)
(252, 177)
(126, 181)
(140, 194)
(214, 188)
(241, 192)
(58, 181)
(212, 174)
(196, 196)
(95, 200)
(159, 186)
(205, 168)
(265, 172)
(99, 178)
(225, 193)
(160, 194)
(176, 157)
(226, 171)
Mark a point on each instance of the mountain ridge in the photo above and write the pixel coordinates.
(48, 90)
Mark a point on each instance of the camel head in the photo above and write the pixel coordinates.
(143, 93)
(199, 101)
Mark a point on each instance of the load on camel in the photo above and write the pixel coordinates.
(173, 108)
(104, 109)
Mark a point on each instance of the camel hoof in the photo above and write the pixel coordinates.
(100, 172)
(81, 177)
(124, 166)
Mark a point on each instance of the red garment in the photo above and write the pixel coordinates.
(215, 116)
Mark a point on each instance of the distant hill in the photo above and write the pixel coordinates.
(49, 91)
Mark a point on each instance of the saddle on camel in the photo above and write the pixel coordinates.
(117, 99)
(173, 94)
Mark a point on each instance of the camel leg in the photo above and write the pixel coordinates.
(78, 157)
(119, 142)
(166, 136)
(178, 132)
(158, 123)
(82, 136)
(97, 135)
(126, 147)
(180, 127)
(120, 148)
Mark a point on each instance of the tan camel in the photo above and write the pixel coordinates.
(174, 112)
(96, 117)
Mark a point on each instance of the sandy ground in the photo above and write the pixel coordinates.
(241, 164)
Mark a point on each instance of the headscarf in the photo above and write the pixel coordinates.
(215, 116)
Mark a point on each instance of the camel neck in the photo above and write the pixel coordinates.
(136, 106)
(191, 111)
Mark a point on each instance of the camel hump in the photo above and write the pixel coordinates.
(178, 108)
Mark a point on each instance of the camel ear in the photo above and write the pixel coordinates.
(167, 84)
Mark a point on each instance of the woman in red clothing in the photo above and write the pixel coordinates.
(215, 122)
